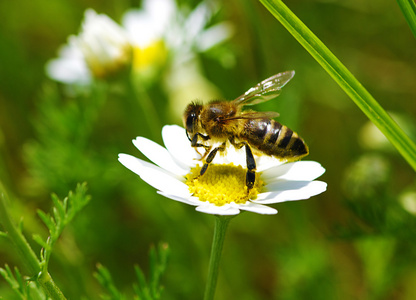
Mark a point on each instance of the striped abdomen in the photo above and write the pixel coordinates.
(274, 139)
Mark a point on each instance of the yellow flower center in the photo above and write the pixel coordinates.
(154, 54)
(222, 184)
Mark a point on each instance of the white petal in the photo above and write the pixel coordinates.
(187, 200)
(232, 155)
(141, 28)
(265, 162)
(225, 210)
(300, 170)
(162, 11)
(159, 155)
(68, 71)
(178, 145)
(197, 20)
(214, 35)
(258, 208)
(282, 191)
(69, 67)
(149, 24)
(155, 176)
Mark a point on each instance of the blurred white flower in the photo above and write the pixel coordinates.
(182, 33)
(148, 38)
(70, 67)
(101, 50)
(221, 190)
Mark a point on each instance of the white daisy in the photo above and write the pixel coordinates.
(146, 38)
(221, 190)
(102, 49)
(182, 32)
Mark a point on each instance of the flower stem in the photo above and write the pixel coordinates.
(47, 283)
(29, 257)
(221, 224)
(147, 109)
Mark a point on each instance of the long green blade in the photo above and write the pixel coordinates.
(344, 78)
(408, 8)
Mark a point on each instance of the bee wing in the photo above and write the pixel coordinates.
(255, 115)
(265, 90)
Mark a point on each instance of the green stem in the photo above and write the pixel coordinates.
(408, 8)
(29, 257)
(147, 108)
(16, 236)
(344, 78)
(221, 224)
(47, 283)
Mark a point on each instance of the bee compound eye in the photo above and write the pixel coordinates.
(190, 121)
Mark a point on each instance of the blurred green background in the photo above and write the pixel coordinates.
(355, 241)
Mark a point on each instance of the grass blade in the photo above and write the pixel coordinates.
(344, 78)
(408, 8)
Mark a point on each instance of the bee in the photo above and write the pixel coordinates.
(217, 124)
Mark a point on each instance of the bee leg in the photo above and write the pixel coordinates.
(251, 168)
(207, 150)
(251, 163)
(210, 157)
(195, 144)
(194, 141)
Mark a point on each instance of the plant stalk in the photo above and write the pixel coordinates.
(345, 79)
(29, 257)
(143, 106)
(221, 224)
(408, 8)
(47, 283)
(26, 253)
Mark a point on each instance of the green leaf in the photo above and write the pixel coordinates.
(408, 8)
(158, 260)
(104, 278)
(63, 212)
(344, 78)
(49, 222)
(15, 281)
(38, 239)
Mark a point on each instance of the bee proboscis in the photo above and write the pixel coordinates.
(214, 125)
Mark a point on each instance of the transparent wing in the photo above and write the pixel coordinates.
(265, 90)
(255, 115)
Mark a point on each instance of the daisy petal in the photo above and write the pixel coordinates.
(258, 208)
(178, 145)
(300, 170)
(212, 209)
(155, 176)
(282, 191)
(158, 155)
(186, 200)
(266, 162)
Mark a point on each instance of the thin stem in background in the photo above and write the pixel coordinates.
(408, 8)
(26, 253)
(148, 110)
(344, 78)
(221, 224)
(29, 257)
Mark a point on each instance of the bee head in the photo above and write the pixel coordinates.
(191, 118)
